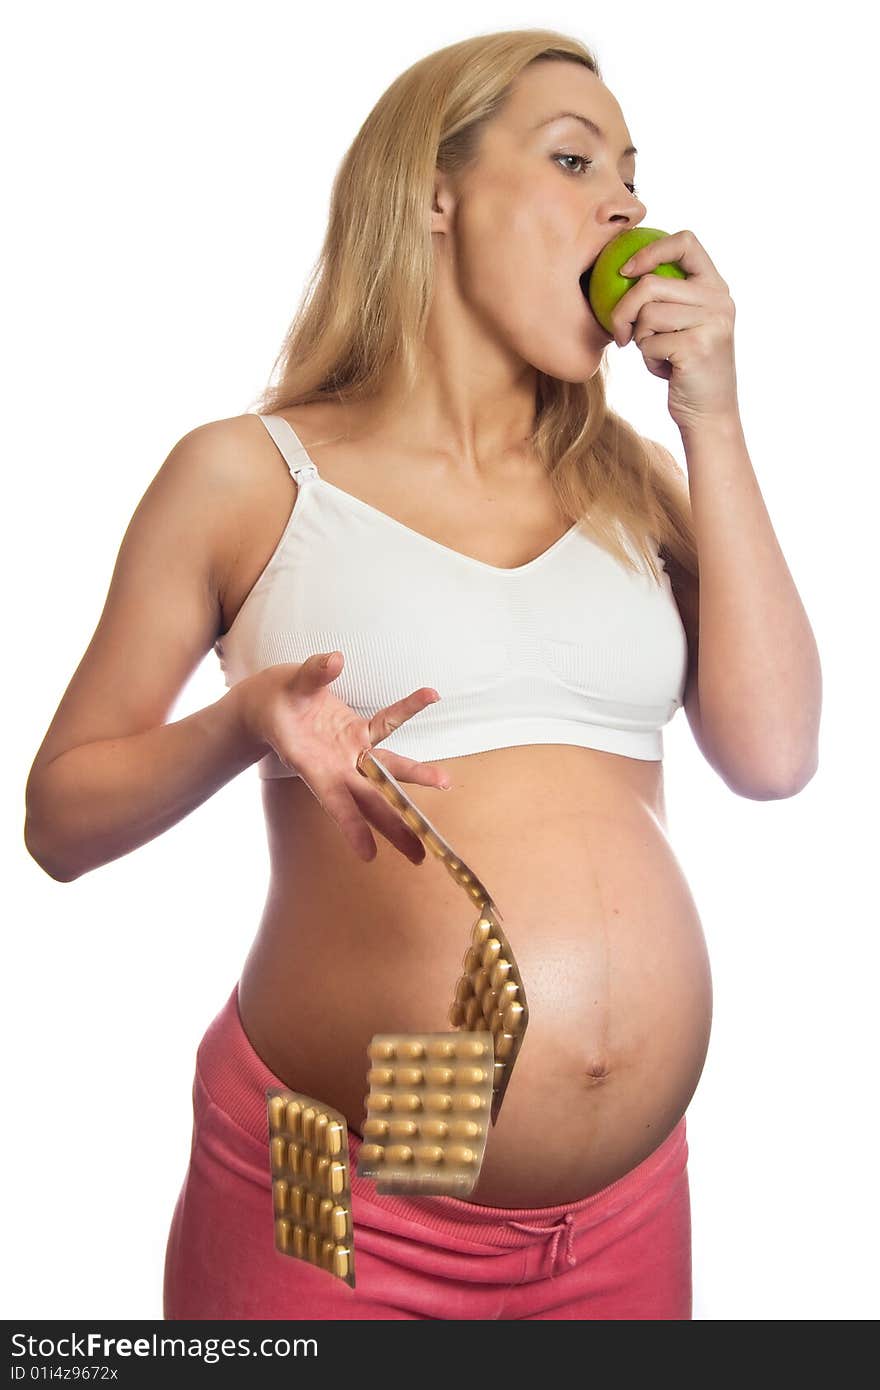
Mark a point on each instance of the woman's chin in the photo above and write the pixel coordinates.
(582, 363)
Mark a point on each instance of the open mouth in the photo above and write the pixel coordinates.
(584, 281)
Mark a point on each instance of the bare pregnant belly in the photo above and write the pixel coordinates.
(571, 844)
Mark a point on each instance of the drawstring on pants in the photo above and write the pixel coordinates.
(555, 1231)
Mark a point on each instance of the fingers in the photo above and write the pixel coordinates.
(318, 669)
(351, 809)
(340, 805)
(386, 720)
(388, 822)
(410, 770)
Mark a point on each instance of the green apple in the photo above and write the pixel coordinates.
(605, 286)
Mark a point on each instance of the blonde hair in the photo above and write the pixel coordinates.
(364, 309)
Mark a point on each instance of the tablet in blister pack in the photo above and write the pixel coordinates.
(427, 1112)
(311, 1185)
(490, 995)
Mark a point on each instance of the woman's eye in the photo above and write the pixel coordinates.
(582, 159)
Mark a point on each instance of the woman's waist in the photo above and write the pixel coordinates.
(619, 1001)
(590, 1095)
(603, 930)
(602, 997)
(535, 1157)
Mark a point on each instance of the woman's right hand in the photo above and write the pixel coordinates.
(290, 709)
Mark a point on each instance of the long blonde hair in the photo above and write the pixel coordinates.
(364, 309)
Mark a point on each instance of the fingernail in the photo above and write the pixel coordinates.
(626, 267)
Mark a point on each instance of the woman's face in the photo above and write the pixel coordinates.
(543, 199)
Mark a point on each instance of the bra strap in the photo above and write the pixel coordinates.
(290, 447)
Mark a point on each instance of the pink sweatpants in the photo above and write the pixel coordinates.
(623, 1253)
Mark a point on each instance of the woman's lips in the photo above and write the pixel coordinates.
(584, 283)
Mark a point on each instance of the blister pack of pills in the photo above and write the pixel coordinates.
(490, 992)
(311, 1185)
(427, 1112)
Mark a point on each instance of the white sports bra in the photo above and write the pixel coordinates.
(570, 648)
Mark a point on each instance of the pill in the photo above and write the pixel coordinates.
(380, 1076)
(435, 1129)
(321, 1123)
(481, 933)
(375, 1128)
(402, 1129)
(473, 1012)
(398, 1153)
(438, 1100)
(470, 1076)
(467, 1100)
(500, 972)
(381, 1100)
(463, 990)
(429, 1153)
(336, 1134)
(512, 1017)
(480, 981)
(408, 1076)
(406, 1100)
(440, 1076)
(465, 1129)
(491, 952)
(308, 1124)
(459, 1153)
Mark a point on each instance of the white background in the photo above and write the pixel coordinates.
(169, 173)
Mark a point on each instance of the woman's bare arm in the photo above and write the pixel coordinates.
(111, 774)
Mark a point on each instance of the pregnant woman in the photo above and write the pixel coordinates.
(437, 541)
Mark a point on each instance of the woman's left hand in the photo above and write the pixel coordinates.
(683, 328)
